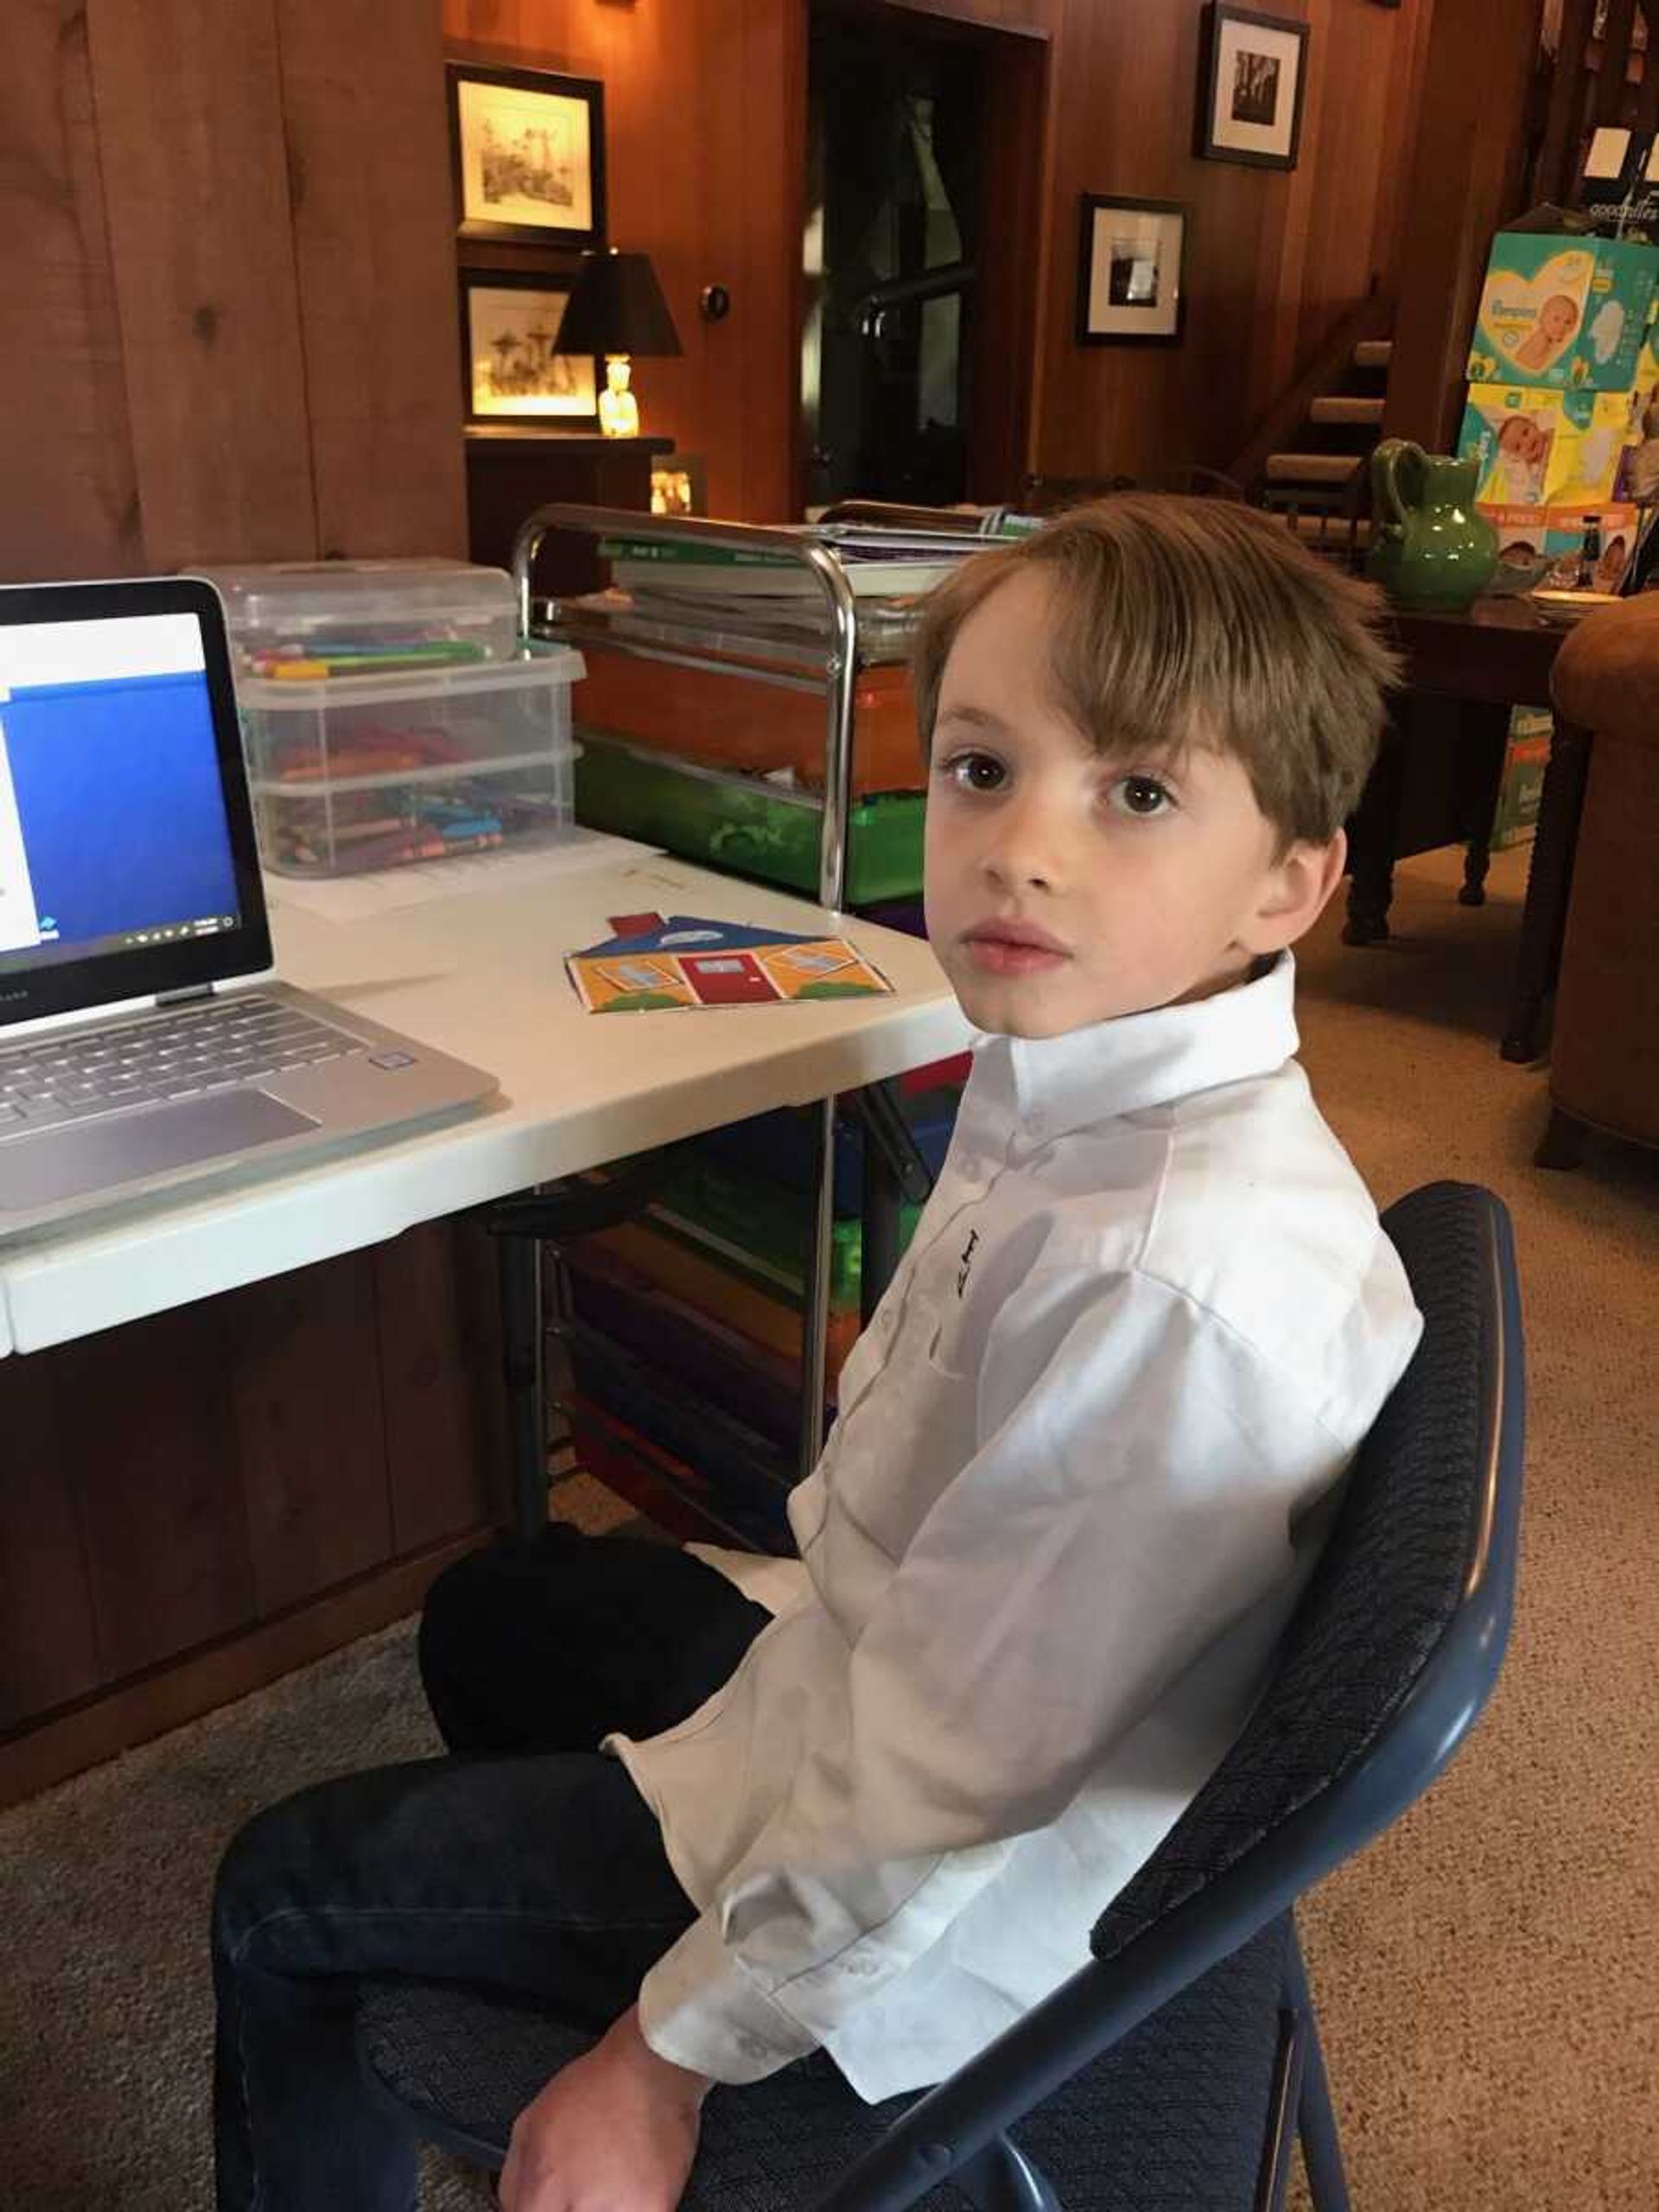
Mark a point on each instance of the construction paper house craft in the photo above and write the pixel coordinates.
(688, 962)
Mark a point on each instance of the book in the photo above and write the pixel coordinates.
(880, 563)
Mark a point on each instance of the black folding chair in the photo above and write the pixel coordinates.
(1178, 2068)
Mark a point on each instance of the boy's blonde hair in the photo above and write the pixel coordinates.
(1182, 621)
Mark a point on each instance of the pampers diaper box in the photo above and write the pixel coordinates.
(1543, 448)
(1563, 314)
(1538, 545)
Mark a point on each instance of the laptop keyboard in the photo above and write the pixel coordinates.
(212, 1046)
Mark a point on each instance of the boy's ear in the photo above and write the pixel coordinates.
(1295, 893)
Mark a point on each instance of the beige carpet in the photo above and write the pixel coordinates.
(1486, 1972)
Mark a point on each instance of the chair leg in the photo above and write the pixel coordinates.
(1281, 2152)
(1316, 2117)
(1562, 1143)
(1002, 2179)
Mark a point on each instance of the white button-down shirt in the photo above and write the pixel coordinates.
(1147, 1316)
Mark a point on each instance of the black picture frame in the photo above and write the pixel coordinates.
(1112, 322)
(553, 284)
(1212, 142)
(572, 103)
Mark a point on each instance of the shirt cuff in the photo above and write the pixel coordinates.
(699, 2009)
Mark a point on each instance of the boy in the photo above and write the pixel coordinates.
(872, 1799)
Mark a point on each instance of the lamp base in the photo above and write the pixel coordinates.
(618, 410)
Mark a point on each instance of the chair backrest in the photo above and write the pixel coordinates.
(1383, 1668)
(1398, 1638)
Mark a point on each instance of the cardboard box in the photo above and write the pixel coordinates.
(1525, 759)
(1638, 469)
(1544, 449)
(1543, 545)
(1563, 314)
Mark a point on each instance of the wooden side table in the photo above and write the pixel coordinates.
(511, 471)
(1496, 655)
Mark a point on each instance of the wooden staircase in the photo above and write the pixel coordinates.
(1311, 460)
(1321, 482)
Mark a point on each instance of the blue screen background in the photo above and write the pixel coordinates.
(119, 792)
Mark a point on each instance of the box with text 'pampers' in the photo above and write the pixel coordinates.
(1544, 449)
(1563, 314)
(1546, 545)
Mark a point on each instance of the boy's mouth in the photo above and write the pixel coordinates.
(1014, 948)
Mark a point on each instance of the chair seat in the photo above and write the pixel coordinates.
(1173, 2119)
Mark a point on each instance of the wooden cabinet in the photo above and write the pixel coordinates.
(512, 473)
(193, 1503)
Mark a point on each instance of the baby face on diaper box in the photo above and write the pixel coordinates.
(1543, 448)
(1565, 315)
(1545, 545)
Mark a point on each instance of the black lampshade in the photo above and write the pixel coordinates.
(617, 307)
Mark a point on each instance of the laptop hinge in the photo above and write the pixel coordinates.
(184, 998)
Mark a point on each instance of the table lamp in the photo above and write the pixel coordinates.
(617, 308)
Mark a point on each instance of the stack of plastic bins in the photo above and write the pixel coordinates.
(390, 715)
(684, 1326)
(722, 762)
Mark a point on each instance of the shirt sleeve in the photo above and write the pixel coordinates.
(1137, 1469)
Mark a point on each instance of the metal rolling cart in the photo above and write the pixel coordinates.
(799, 656)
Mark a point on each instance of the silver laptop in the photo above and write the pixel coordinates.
(143, 1040)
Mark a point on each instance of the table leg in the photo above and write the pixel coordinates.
(815, 1305)
(1481, 754)
(520, 1259)
(1376, 828)
(1549, 886)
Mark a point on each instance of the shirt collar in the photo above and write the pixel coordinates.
(1054, 1085)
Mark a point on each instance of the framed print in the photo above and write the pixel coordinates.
(529, 152)
(679, 485)
(1131, 271)
(1250, 76)
(509, 325)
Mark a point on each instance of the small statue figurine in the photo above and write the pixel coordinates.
(618, 410)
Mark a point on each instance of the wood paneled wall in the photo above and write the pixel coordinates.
(1276, 258)
(705, 106)
(193, 1503)
(227, 328)
(704, 135)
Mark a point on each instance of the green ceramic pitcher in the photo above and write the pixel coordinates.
(1429, 548)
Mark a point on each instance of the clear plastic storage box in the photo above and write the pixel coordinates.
(355, 772)
(301, 620)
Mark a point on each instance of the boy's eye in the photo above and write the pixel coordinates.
(975, 772)
(1143, 796)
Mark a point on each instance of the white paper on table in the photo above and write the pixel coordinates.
(360, 898)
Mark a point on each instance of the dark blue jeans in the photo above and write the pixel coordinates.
(524, 1861)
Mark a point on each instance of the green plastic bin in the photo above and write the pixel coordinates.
(744, 826)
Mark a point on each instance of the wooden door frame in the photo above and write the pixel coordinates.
(1011, 249)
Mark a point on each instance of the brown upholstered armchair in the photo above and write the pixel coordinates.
(1604, 1059)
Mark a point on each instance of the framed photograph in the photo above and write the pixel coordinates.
(1131, 271)
(679, 485)
(509, 325)
(529, 152)
(1250, 72)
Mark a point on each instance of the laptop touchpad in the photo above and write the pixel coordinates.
(102, 1154)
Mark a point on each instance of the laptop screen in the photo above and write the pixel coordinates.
(112, 824)
(125, 850)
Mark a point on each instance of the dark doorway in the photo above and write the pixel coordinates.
(897, 112)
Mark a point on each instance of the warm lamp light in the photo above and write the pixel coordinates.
(617, 308)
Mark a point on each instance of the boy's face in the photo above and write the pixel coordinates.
(1065, 888)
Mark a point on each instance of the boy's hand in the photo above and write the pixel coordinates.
(615, 2131)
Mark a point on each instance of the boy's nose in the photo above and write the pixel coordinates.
(1024, 853)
